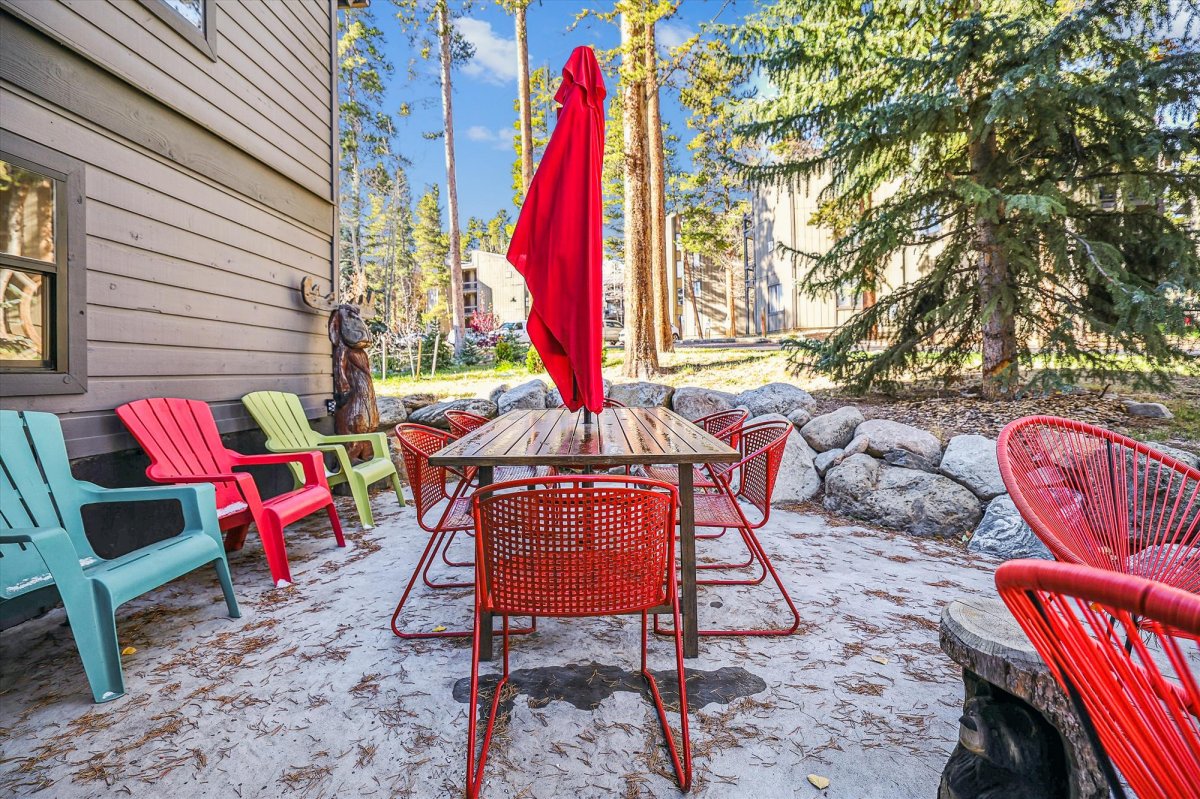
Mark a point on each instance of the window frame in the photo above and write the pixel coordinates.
(69, 305)
(205, 42)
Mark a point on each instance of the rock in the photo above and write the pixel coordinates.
(554, 398)
(798, 480)
(415, 402)
(498, 391)
(971, 461)
(1004, 534)
(692, 403)
(914, 501)
(832, 430)
(782, 398)
(435, 415)
(1149, 410)
(1181, 455)
(901, 444)
(391, 412)
(641, 395)
(857, 446)
(529, 395)
(827, 460)
(799, 417)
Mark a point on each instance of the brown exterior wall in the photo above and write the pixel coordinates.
(210, 192)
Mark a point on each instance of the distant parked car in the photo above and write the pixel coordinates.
(516, 330)
(613, 330)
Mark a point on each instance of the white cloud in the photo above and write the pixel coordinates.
(500, 139)
(479, 133)
(670, 35)
(495, 59)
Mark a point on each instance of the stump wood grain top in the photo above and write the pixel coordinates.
(558, 437)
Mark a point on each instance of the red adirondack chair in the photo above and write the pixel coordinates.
(184, 446)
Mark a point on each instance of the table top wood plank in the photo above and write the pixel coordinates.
(618, 437)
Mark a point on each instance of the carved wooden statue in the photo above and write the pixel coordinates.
(353, 388)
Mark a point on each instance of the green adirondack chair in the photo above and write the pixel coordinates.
(43, 544)
(281, 417)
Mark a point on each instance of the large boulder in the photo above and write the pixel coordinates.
(391, 412)
(799, 417)
(911, 500)
(971, 461)
(641, 395)
(498, 392)
(530, 395)
(1148, 410)
(798, 480)
(832, 430)
(782, 398)
(1004, 534)
(414, 402)
(692, 403)
(901, 444)
(435, 415)
(554, 396)
(1181, 455)
(828, 459)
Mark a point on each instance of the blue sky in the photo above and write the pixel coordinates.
(484, 88)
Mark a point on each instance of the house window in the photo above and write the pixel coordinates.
(847, 298)
(43, 344)
(194, 20)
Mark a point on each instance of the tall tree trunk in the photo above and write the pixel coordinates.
(658, 202)
(523, 95)
(457, 313)
(690, 279)
(641, 356)
(730, 297)
(1000, 369)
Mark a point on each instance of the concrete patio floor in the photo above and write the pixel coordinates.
(309, 693)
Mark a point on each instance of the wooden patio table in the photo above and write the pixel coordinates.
(616, 437)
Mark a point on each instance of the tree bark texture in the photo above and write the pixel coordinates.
(999, 339)
(660, 286)
(457, 313)
(641, 356)
(523, 96)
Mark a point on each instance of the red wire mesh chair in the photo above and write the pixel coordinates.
(608, 403)
(463, 422)
(1099, 498)
(762, 448)
(449, 510)
(1117, 644)
(723, 426)
(573, 546)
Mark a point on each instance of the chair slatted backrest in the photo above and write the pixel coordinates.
(762, 448)
(1128, 649)
(36, 490)
(575, 545)
(1100, 498)
(282, 418)
(182, 440)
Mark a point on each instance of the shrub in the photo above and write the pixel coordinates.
(509, 350)
(533, 361)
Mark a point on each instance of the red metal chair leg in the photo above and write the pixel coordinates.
(475, 771)
(463, 564)
(425, 578)
(751, 558)
(683, 765)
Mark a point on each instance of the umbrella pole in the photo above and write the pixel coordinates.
(587, 416)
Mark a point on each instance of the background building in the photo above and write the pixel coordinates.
(491, 284)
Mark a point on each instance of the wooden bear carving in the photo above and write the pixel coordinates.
(353, 389)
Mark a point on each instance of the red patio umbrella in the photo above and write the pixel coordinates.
(558, 245)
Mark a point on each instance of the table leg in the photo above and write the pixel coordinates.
(485, 620)
(687, 557)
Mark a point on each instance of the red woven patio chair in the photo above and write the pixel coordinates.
(441, 511)
(1118, 645)
(574, 546)
(1099, 498)
(463, 422)
(724, 426)
(184, 446)
(762, 448)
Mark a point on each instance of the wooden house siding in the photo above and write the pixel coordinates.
(210, 192)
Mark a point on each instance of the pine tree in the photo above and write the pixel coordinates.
(541, 113)
(432, 254)
(1041, 156)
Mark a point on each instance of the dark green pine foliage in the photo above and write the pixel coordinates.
(1040, 159)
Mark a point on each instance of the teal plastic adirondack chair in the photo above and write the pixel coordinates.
(42, 543)
(281, 417)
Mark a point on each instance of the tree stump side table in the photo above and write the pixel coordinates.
(1019, 736)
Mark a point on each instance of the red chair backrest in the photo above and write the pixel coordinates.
(428, 482)
(724, 425)
(463, 422)
(762, 448)
(1091, 626)
(609, 402)
(1097, 497)
(182, 440)
(580, 545)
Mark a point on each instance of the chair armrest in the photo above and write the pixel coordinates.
(378, 441)
(199, 501)
(314, 466)
(55, 547)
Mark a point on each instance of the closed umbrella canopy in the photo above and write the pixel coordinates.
(558, 244)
